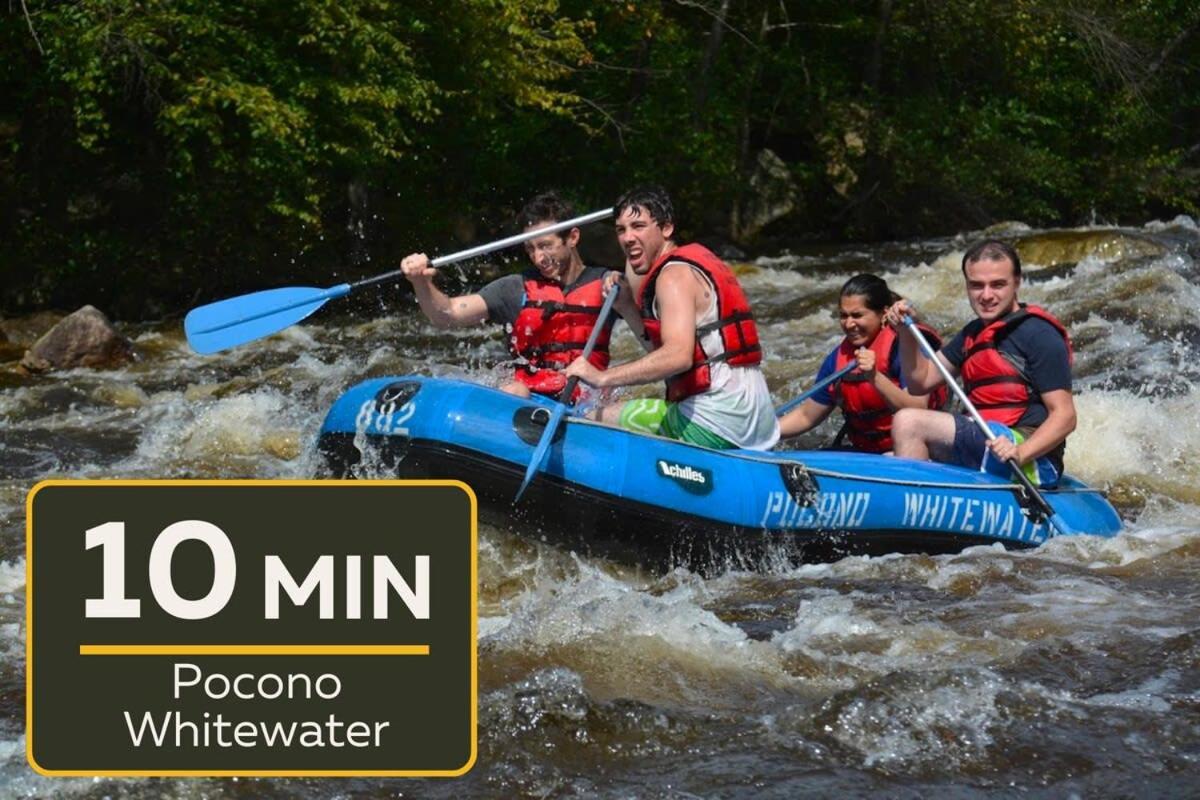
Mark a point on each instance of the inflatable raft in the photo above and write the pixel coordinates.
(659, 503)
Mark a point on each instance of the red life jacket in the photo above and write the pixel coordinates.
(995, 385)
(735, 322)
(868, 415)
(552, 329)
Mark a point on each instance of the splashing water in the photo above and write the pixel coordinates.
(1070, 669)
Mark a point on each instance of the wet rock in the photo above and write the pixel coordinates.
(282, 444)
(61, 398)
(729, 252)
(24, 331)
(1006, 228)
(120, 395)
(771, 195)
(83, 339)
(9, 350)
(843, 145)
(741, 268)
(1071, 247)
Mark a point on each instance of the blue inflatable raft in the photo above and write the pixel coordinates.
(660, 503)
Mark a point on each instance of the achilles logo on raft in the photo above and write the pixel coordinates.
(696, 481)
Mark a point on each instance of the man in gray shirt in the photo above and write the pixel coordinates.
(549, 310)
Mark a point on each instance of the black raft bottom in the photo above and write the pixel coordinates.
(599, 524)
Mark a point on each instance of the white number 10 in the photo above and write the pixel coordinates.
(114, 604)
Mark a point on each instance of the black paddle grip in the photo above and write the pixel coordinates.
(1043, 508)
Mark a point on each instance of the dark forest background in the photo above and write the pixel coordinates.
(160, 153)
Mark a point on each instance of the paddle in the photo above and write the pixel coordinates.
(1042, 506)
(818, 386)
(228, 323)
(564, 399)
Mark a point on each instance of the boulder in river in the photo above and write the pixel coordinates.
(1051, 248)
(85, 338)
(771, 195)
(9, 350)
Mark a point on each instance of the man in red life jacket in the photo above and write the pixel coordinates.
(702, 338)
(1015, 361)
(549, 310)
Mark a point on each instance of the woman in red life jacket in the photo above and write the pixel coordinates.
(869, 395)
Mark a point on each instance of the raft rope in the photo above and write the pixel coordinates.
(828, 473)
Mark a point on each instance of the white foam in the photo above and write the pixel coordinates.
(935, 290)
(830, 616)
(1124, 437)
(951, 721)
(853, 631)
(490, 626)
(255, 423)
(770, 278)
(599, 604)
(12, 576)
(1145, 542)
(299, 337)
(1182, 221)
(632, 643)
(1145, 697)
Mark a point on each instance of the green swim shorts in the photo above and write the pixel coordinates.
(646, 415)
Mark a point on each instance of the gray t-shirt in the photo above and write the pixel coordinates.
(505, 297)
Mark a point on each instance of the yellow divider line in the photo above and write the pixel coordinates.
(253, 649)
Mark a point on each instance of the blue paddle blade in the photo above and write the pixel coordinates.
(539, 454)
(228, 323)
(1047, 515)
(560, 410)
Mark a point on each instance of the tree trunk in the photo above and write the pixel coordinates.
(715, 35)
(875, 61)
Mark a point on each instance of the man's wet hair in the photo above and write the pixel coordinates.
(876, 294)
(991, 250)
(546, 207)
(649, 198)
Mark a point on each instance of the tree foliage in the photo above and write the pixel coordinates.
(157, 152)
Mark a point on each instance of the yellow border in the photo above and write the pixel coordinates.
(253, 773)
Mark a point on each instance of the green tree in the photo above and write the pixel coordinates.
(173, 142)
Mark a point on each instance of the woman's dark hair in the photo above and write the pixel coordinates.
(873, 289)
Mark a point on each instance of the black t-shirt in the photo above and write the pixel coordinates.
(505, 297)
(1037, 350)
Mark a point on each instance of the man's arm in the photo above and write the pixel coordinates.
(1060, 422)
(677, 294)
(1048, 365)
(920, 376)
(441, 309)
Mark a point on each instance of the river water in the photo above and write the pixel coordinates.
(1070, 670)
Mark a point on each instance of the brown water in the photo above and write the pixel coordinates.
(1073, 669)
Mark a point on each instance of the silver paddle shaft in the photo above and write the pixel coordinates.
(500, 244)
(953, 384)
